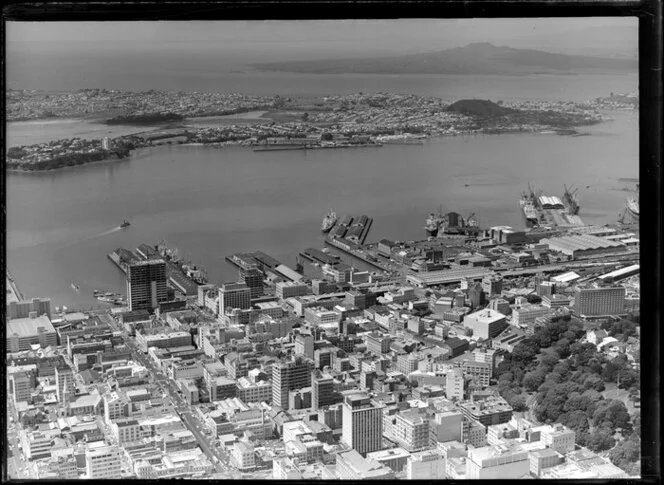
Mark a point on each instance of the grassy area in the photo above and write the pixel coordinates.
(612, 392)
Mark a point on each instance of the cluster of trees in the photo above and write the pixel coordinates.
(568, 378)
(512, 371)
(147, 118)
(621, 329)
(627, 454)
(66, 160)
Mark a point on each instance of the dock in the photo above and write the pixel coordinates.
(13, 293)
(313, 147)
(356, 254)
(256, 259)
(175, 276)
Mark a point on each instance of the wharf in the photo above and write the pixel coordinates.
(175, 276)
(257, 259)
(356, 252)
(13, 293)
(123, 257)
(314, 147)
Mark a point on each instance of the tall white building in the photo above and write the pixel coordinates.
(103, 462)
(362, 424)
(304, 345)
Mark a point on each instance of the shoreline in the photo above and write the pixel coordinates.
(58, 169)
(260, 148)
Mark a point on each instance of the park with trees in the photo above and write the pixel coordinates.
(563, 377)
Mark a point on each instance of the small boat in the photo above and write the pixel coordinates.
(75, 287)
(125, 223)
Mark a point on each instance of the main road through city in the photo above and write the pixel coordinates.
(182, 407)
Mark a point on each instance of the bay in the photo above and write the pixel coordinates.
(210, 202)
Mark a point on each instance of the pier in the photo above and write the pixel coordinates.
(13, 293)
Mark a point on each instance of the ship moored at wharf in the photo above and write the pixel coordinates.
(571, 201)
(355, 229)
(329, 221)
(550, 211)
(450, 223)
(633, 207)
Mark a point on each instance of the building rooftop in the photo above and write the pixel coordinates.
(147, 262)
(29, 327)
(392, 453)
(486, 316)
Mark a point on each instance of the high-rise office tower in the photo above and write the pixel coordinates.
(146, 284)
(253, 278)
(65, 383)
(289, 376)
(362, 424)
(322, 390)
(304, 345)
(234, 295)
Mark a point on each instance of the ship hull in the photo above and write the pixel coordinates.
(632, 213)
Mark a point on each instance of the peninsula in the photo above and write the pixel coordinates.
(284, 123)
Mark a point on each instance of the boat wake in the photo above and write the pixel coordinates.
(106, 233)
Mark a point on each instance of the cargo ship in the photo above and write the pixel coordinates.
(633, 208)
(431, 225)
(528, 204)
(570, 201)
(329, 221)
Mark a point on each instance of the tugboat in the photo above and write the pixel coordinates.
(125, 223)
(329, 221)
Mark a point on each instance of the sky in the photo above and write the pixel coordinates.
(259, 41)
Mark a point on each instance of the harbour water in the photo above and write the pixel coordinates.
(211, 202)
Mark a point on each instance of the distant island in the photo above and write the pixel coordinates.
(478, 58)
(144, 119)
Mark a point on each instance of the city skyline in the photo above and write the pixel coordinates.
(397, 249)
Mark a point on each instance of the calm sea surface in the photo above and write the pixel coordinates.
(211, 202)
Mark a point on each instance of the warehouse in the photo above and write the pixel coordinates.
(582, 245)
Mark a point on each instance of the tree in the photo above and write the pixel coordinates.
(518, 403)
(627, 452)
(576, 420)
(548, 361)
(612, 414)
(594, 382)
(562, 347)
(627, 378)
(533, 380)
(326, 136)
(601, 439)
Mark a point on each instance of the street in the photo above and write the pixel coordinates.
(181, 406)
